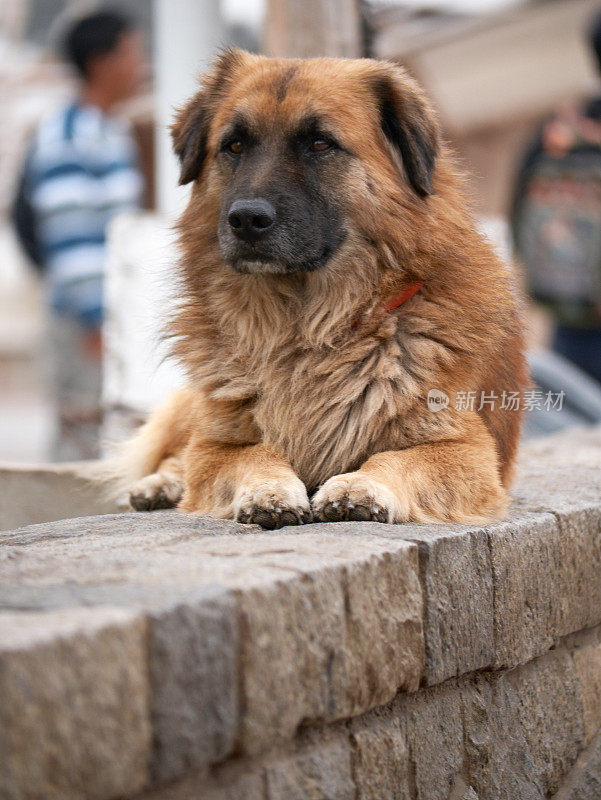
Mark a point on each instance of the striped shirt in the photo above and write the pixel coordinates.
(83, 172)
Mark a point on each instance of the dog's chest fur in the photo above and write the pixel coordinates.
(328, 408)
(327, 378)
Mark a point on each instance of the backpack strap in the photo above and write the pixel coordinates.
(23, 215)
(69, 122)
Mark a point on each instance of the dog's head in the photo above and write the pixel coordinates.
(299, 153)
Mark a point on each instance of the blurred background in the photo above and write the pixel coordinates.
(498, 71)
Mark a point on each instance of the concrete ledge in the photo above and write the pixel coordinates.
(186, 657)
(31, 493)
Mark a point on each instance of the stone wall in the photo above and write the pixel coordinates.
(171, 657)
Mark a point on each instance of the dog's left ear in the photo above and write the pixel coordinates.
(410, 125)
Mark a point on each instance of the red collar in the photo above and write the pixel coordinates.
(401, 297)
(398, 299)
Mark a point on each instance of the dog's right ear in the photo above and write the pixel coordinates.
(190, 131)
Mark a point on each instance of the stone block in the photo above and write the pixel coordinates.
(74, 719)
(458, 593)
(584, 780)
(580, 587)
(333, 641)
(527, 560)
(381, 764)
(193, 651)
(497, 756)
(249, 786)
(461, 791)
(433, 723)
(232, 781)
(545, 573)
(587, 664)
(550, 713)
(321, 772)
(458, 590)
(411, 749)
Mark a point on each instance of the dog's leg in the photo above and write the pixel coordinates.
(248, 483)
(453, 481)
(149, 466)
(160, 489)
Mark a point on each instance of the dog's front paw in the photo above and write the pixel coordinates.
(156, 491)
(356, 497)
(273, 504)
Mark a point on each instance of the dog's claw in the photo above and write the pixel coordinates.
(360, 513)
(289, 518)
(273, 518)
(337, 512)
(140, 502)
(331, 512)
(266, 519)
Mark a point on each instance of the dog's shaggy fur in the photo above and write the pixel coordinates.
(301, 384)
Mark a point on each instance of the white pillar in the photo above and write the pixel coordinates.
(13, 19)
(140, 297)
(141, 254)
(187, 34)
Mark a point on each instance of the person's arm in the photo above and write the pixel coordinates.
(529, 158)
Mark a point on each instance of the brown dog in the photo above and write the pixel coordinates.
(341, 313)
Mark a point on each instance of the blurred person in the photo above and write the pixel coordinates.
(81, 170)
(556, 223)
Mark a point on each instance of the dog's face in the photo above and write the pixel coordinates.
(291, 152)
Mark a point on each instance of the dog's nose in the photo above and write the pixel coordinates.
(251, 219)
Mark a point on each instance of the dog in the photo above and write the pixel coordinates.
(338, 307)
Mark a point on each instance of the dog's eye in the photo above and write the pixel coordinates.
(319, 145)
(236, 147)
